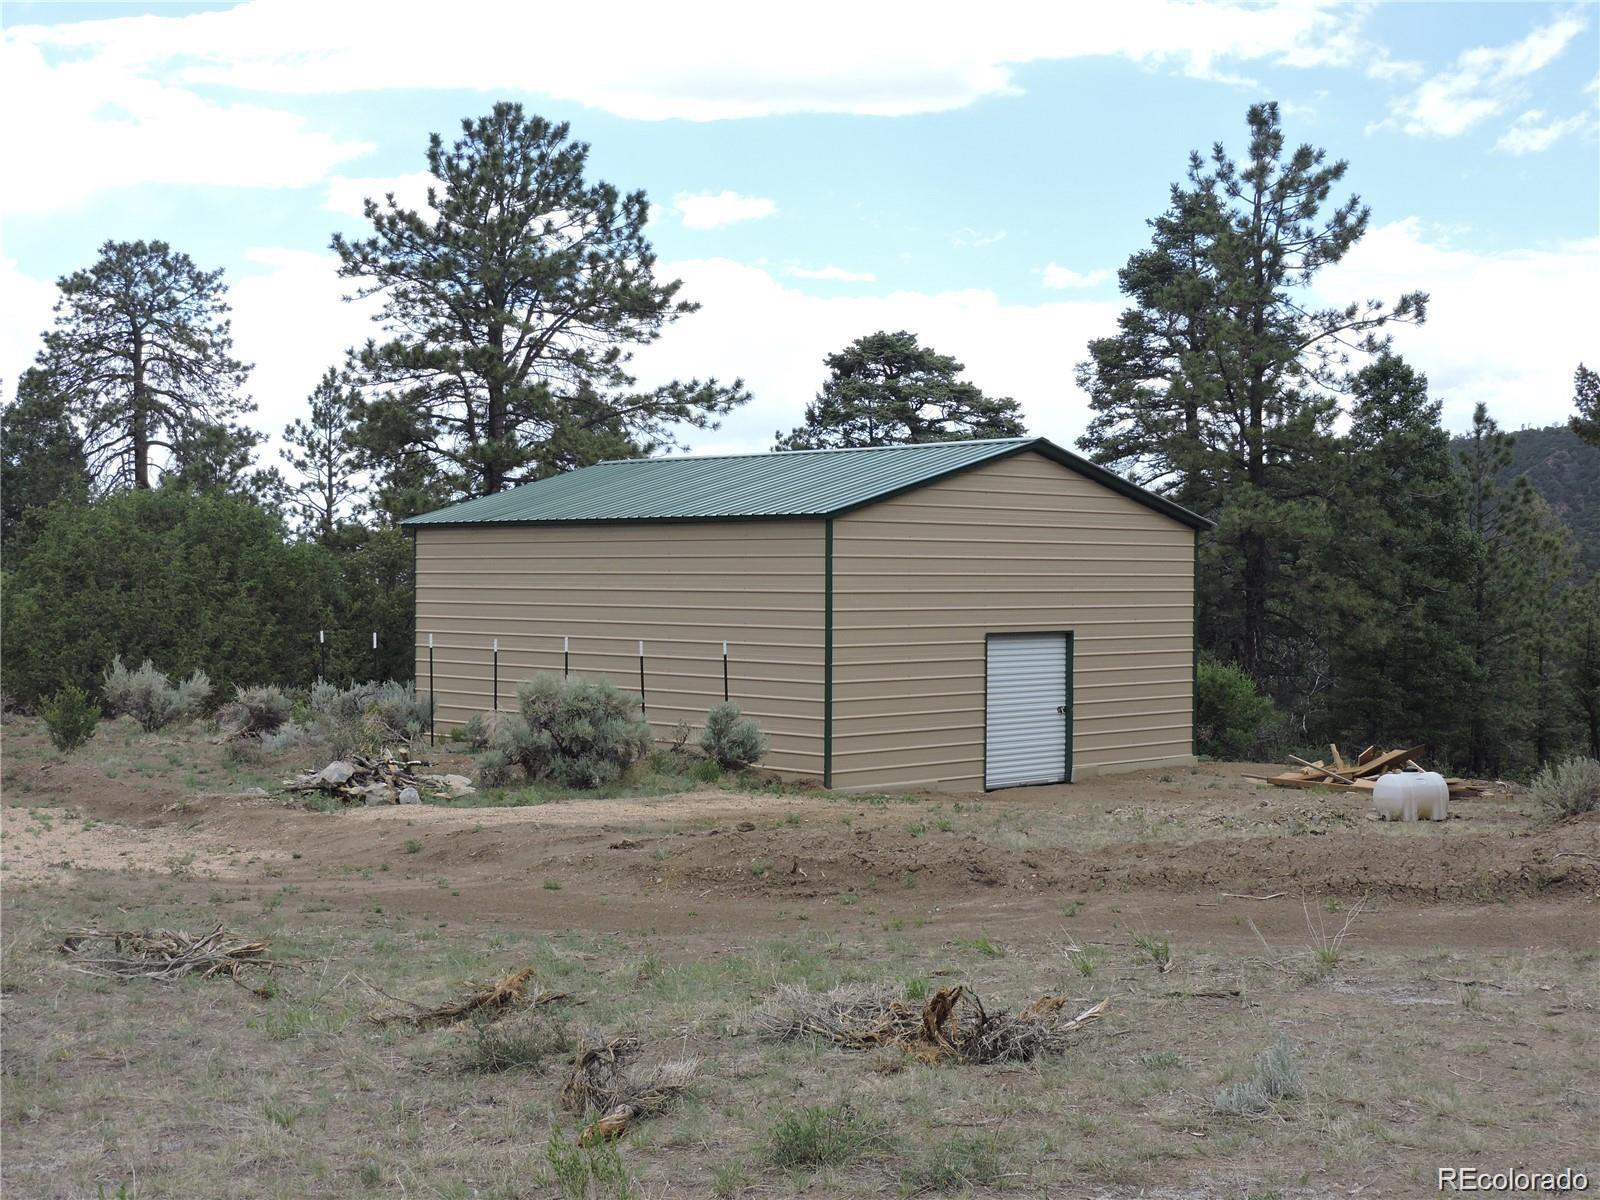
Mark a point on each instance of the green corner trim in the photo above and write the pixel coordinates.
(827, 653)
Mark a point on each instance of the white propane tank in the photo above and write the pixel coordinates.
(1411, 796)
(1433, 796)
(1392, 798)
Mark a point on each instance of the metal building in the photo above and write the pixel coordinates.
(951, 614)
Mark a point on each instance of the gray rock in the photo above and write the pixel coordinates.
(379, 793)
(410, 795)
(336, 772)
(455, 785)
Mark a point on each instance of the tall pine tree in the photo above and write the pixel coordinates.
(1586, 398)
(887, 389)
(1219, 385)
(511, 309)
(142, 352)
(1396, 564)
(326, 484)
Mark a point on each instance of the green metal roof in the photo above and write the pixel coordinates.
(793, 483)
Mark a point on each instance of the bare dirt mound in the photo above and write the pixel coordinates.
(1423, 864)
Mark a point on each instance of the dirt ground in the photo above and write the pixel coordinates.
(1437, 984)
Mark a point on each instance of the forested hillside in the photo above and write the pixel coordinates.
(1565, 470)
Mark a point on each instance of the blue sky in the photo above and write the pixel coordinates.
(818, 176)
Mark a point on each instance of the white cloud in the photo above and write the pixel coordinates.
(1505, 328)
(973, 239)
(1482, 83)
(1056, 276)
(86, 125)
(899, 58)
(291, 321)
(713, 210)
(1531, 133)
(1382, 67)
(835, 274)
(25, 313)
(775, 336)
(347, 195)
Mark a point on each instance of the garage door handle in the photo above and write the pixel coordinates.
(1061, 709)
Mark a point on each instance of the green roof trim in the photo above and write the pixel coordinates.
(782, 484)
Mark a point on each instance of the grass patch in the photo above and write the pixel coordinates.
(962, 1162)
(823, 1135)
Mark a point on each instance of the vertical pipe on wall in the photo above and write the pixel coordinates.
(433, 703)
(724, 672)
(642, 707)
(495, 652)
(566, 658)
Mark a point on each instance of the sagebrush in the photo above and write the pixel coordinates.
(1276, 1078)
(576, 733)
(732, 739)
(1569, 788)
(366, 717)
(152, 699)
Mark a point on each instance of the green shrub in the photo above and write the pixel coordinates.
(1569, 788)
(576, 733)
(1230, 715)
(70, 718)
(254, 712)
(822, 1135)
(732, 740)
(150, 698)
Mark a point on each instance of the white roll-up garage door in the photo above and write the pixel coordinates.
(1028, 716)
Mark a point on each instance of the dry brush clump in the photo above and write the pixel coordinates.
(609, 1080)
(254, 712)
(516, 992)
(951, 1026)
(163, 954)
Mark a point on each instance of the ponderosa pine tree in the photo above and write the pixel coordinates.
(887, 389)
(1543, 554)
(1495, 586)
(142, 353)
(1395, 608)
(1219, 386)
(327, 482)
(1586, 397)
(41, 459)
(511, 308)
(1582, 626)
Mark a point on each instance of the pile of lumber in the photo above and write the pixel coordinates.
(162, 954)
(383, 779)
(1360, 774)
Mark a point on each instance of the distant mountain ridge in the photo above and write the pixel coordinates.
(1565, 470)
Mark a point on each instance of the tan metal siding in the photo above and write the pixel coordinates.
(682, 587)
(1019, 545)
